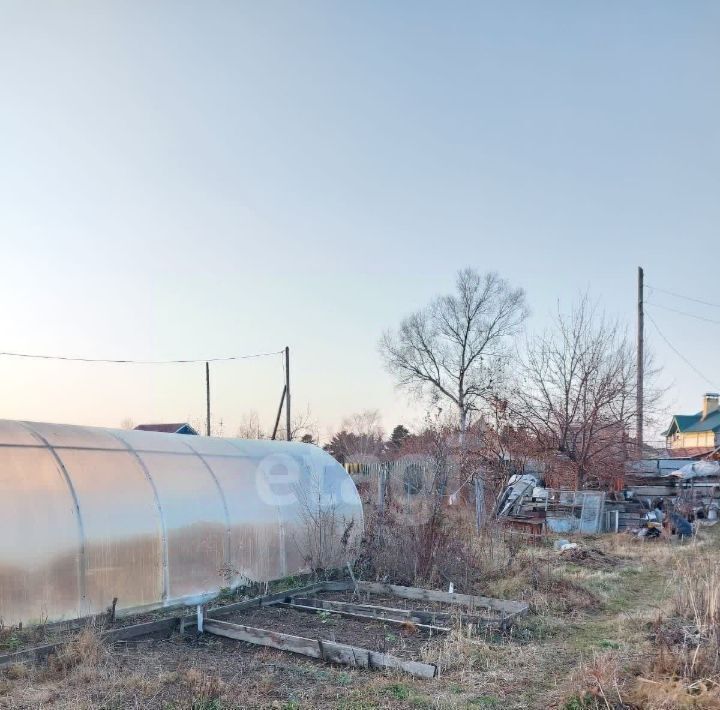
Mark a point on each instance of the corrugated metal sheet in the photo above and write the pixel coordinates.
(90, 514)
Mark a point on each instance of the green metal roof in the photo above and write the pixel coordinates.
(695, 422)
(710, 423)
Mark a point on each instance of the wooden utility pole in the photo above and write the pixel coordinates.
(640, 361)
(207, 395)
(277, 419)
(287, 392)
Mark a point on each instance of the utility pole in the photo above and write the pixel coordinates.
(640, 361)
(207, 395)
(287, 392)
(277, 419)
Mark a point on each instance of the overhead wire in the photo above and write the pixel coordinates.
(682, 313)
(680, 295)
(68, 358)
(680, 354)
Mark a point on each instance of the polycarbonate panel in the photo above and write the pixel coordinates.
(65, 435)
(210, 447)
(17, 434)
(255, 541)
(39, 539)
(122, 526)
(320, 501)
(153, 441)
(195, 522)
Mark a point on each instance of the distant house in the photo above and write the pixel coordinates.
(180, 428)
(696, 434)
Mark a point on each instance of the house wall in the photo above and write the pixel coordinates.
(689, 440)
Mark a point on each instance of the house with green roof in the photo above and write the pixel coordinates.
(699, 432)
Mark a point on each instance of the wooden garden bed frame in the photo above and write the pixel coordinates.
(304, 599)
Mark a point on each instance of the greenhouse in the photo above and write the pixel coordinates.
(90, 515)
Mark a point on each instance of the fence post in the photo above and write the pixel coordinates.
(381, 486)
(479, 501)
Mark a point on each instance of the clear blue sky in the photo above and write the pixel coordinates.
(183, 179)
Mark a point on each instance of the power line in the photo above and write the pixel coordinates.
(140, 362)
(683, 313)
(687, 298)
(680, 355)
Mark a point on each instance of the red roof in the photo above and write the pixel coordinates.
(165, 428)
(691, 452)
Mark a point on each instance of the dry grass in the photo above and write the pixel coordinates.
(637, 631)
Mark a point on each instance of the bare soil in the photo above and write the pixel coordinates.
(404, 641)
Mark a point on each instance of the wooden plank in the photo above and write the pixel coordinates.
(128, 633)
(418, 616)
(263, 637)
(466, 600)
(340, 586)
(123, 633)
(368, 609)
(34, 655)
(366, 617)
(167, 626)
(364, 658)
(264, 600)
(326, 650)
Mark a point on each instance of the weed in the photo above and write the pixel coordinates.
(324, 616)
(398, 691)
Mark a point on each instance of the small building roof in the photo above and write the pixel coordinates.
(692, 452)
(710, 423)
(694, 423)
(177, 428)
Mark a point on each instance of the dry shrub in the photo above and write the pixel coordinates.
(598, 683)
(16, 671)
(461, 649)
(685, 670)
(86, 650)
(430, 546)
(536, 581)
(674, 694)
(698, 593)
(203, 687)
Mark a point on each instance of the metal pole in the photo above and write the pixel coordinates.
(640, 362)
(207, 395)
(287, 393)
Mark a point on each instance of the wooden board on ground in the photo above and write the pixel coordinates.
(315, 608)
(417, 616)
(330, 651)
(506, 607)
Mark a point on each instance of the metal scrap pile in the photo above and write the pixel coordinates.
(658, 499)
(691, 491)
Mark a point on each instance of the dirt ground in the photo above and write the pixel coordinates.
(404, 641)
(593, 612)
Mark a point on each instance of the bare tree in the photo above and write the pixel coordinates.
(217, 426)
(454, 349)
(502, 446)
(250, 427)
(360, 439)
(576, 394)
(127, 423)
(302, 425)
